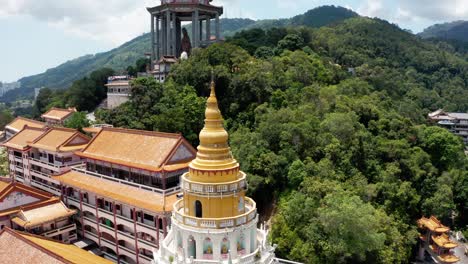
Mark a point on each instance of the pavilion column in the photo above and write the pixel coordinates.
(163, 36)
(153, 44)
(197, 29)
(208, 29)
(158, 41)
(201, 31)
(194, 28)
(218, 28)
(178, 37)
(81, 213)
(174, 35)
(168, 33)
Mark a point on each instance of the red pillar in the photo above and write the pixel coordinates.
(115, 233)
(97, 220)
(81, 215)
(157, 229)
(137, 251)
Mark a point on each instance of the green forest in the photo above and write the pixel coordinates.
(330, 125)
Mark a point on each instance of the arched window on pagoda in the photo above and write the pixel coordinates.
(241, 244)
(225, 248)
(198, 209)
(191, 247)
(207, 248)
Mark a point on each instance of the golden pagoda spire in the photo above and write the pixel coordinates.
(214, 152)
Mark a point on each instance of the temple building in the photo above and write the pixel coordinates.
(167, 35)
(119, 90)
(28, 209)
(20, 247)
(214, 222)
(125, 189)
(57, 116)
(18, 123)
(435, 240)
(34, 154)
(457, 123)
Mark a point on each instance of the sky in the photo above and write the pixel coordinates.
(38, 35)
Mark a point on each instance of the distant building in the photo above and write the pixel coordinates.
(163, 67)
(20, 247)
(18, 124)
(168, 36)
(5, 87)
(36, 92)
(57, 116)
(434, 239)
(27, 209)
(118, 90)
(457, 123)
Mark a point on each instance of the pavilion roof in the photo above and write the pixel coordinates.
(448, 258)
(23, 138)
(19, 123)
(59, 114)
(444, 241)
(118, 192)
(30, 218)
(147, 150)
(432, 224)
(19, 247)
(61, 139)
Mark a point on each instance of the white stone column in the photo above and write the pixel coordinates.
(233, 244)
(216, 247)
(199, 246)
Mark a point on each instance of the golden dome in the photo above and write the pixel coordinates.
(214, 152)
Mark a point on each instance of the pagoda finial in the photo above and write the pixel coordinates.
(213, 151)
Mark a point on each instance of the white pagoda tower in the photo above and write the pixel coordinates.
(214, 222)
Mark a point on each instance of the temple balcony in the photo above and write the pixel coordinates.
(218, 223)
(63, 230)
(215, 188)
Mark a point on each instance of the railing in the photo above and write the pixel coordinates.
(145, 225)
(45, 187)
(146, 242)
(59, 231)
(128, 235)
(89, 219)
(81, 168)
(251, 214)
(197, 187)
(131, 251)
(145, 257)
(68, 164)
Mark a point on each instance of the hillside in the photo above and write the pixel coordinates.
(457, 30)
(119, 58)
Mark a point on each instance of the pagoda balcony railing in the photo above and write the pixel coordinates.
(82, 168)
(55, 166)
(218, 223)
(225, 187)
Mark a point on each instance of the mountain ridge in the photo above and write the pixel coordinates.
(63, 75)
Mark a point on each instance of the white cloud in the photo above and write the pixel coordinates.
(112, 21)
(372, 8)
(446, 10)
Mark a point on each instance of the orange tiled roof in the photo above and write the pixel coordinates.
(56, 139)
(59, 114)
(118, 192)
(19, 247)
(22, 139)
(432, 224)
(146, 150)
(30, 218)
(20, 122)
(448, 258)
(444, 241)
